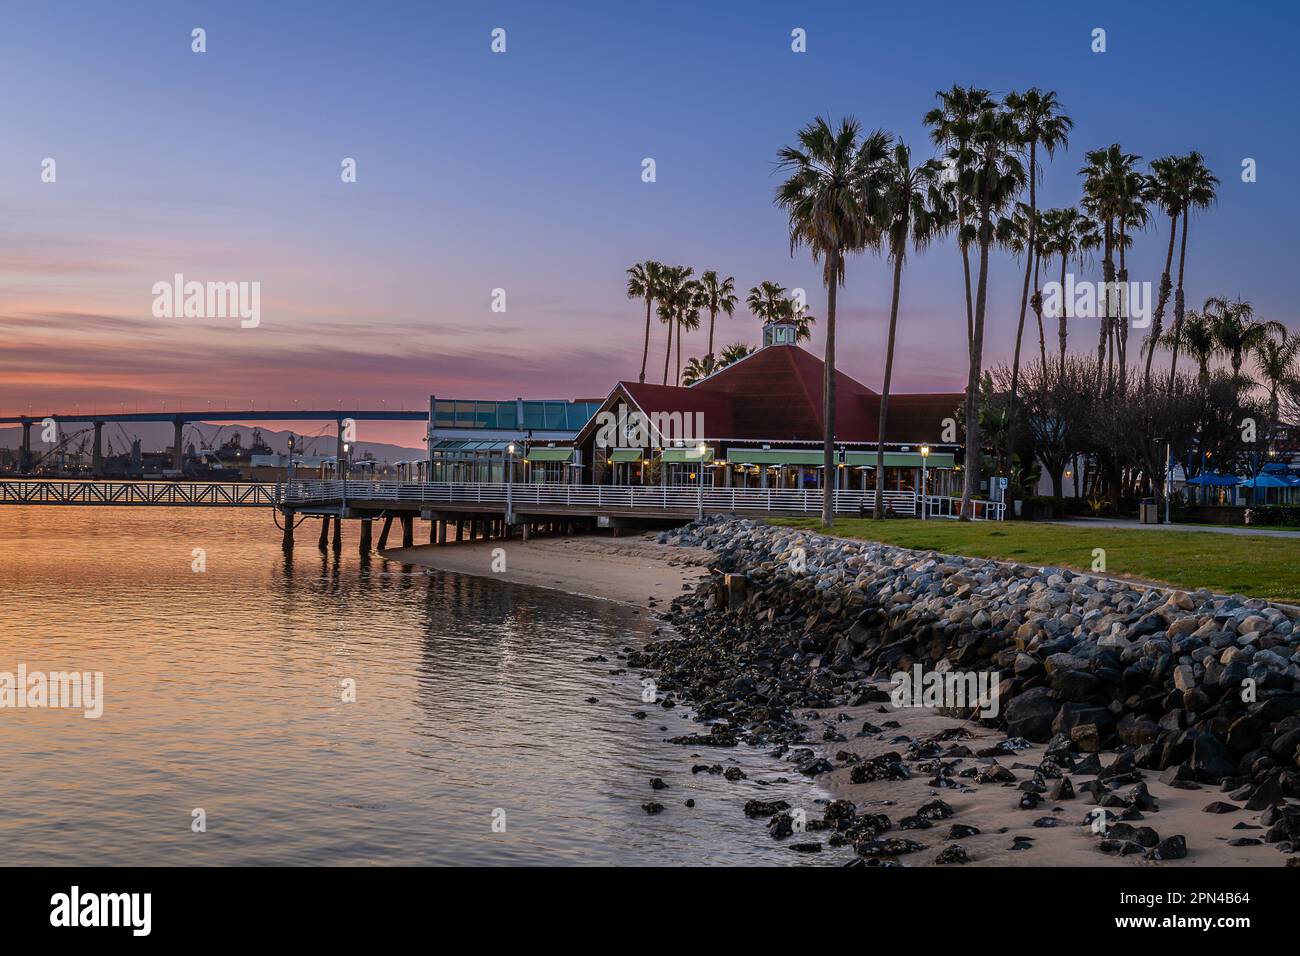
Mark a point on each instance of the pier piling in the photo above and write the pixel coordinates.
(324, 533)
(383, 534)
(366, 531)
(286, 541)
(338, 535)
(408, 531)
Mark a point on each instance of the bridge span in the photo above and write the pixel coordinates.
(180, 418)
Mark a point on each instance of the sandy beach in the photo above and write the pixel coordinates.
(632, 570)
(637, 571)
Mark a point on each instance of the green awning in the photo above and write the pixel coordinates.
(813, 458)
(903, 459)
(625, 455)
(549, 454)
(684, 455)
(773, 456)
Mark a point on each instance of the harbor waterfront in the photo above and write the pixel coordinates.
(223, 694)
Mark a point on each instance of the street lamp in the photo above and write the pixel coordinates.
(510, 469)
(925, 472)
(701, 448)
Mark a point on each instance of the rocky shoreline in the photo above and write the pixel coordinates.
(1194, 690)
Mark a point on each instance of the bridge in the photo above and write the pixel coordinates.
(180, 418)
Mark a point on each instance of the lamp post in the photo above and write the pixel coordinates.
(925, 472)
(699, 483)
(343, 470)
(510, 468)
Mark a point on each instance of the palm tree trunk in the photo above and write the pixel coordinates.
(1122, 320)
(1107, 276)
(1062, 321)
(1178, 300)
(679, 356)
(1037, 304)
(1024, 289)
(971, 482)
(713, 315)
(645, 350)
(828, 395)
(879, 510)
(970, 311)
(668, 356)
(1157, 324)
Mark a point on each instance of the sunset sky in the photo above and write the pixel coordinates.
(523, 171)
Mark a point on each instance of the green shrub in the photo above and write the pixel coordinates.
(1275, 514)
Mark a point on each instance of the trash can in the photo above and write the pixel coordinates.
(1148, 513)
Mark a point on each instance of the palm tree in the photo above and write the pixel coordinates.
(1041, 121)
(733, 353)
(912, 211)
(643, 283)
(1164, 189)
(1236, 331)
(1104, 197)
(688, 316)
(1013, 232)
(674, 295)
(1069, 234)
(767, 301)
(950, 125)
(719, 296)
(1197, 184)
(1131, 212)
(1277, 361)
(830, 197)
(1196, 338)
(992, 175)
(696, 369)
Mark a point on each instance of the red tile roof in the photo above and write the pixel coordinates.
(775, 394)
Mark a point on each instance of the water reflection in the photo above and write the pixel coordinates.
(225, 691)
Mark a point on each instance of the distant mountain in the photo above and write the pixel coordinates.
(156, 436)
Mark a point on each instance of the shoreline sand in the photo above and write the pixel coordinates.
(633, 570)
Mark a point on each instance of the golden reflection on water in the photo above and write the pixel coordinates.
(223, 691)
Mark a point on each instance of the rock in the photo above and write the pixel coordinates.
(657, 783)
(1170, 848)
(652, 808)
(1218, 806)
(1030, 714)
(955, 853)
(766, 808)
(1062, 790)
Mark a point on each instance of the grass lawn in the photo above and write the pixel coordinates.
(1226, 563)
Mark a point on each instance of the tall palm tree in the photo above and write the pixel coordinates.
(1105, 173)
(643, 283)
(675, 293)
(688, 316)
(1236, 331)
(1042, 122)
(1131, 212)
(1070, 234)
(913, 211)
(1198, 185)
(950, 125)
(1164, 189)
(992, 175)
(767, 301)
(831, 199)
(719, 296)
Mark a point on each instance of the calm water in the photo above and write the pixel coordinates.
(223, 692)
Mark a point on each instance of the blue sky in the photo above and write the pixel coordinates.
(522, 171)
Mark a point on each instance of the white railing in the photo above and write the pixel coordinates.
(674, 498)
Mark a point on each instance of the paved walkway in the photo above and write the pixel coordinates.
(1131, 525)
